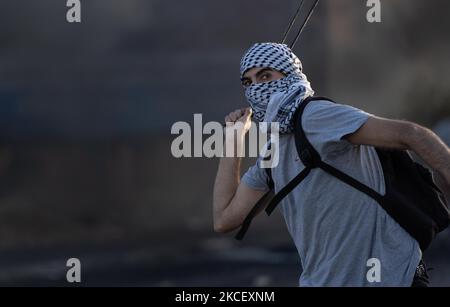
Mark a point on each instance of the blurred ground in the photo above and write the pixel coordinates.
(206, 262)
(135, 243)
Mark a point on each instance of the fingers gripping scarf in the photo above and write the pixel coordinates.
(276, 101)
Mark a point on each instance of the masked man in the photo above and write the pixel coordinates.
(335, 227)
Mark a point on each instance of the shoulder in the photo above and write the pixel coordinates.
(319, 104)
(325, 124)
(320, 108)
(326, 110)
(323, 105)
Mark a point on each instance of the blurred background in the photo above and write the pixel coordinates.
(86, 110)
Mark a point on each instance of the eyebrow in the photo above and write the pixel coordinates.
(259, 73)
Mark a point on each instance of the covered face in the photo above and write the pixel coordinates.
(272, 55)
(276, 101)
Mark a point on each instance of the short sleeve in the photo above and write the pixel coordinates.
(325, 124)
(256, 178)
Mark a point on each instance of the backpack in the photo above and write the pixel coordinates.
(412, 198)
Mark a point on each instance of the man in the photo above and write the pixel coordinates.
(335, 228)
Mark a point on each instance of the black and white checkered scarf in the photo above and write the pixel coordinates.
(276, 101)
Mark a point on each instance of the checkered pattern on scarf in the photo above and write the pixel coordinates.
(291, 90)
(273, 55)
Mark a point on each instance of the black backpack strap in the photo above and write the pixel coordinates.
(248, 220)
(351, 181)
(311, 159)
(287, 189)
(258, 206)
(275, 200)
(306, 152)
(309, 155)
(269, 178)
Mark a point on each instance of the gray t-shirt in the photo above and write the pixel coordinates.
(335, 227)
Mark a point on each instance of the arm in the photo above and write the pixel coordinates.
(233, 200)
(404, 135)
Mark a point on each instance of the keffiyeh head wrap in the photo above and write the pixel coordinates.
(276, 101)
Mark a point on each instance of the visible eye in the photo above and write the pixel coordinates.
(266, 76)
(246, 82)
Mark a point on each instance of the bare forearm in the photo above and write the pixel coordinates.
(225, 186)
(227, 178)
(431, 149)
